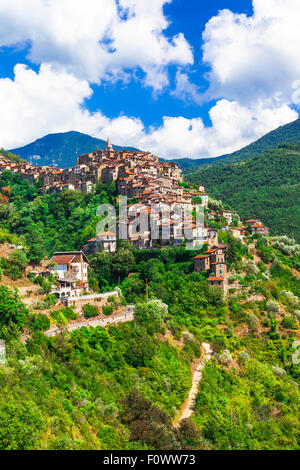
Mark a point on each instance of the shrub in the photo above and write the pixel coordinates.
(39, 322)
(273, 307)
(251, 268)
(17, 262)
(107, 310)
(113, 300)
(289, 323)
(69, 313)
(253, 322)
(90, 311)
(291, 299)
(278, 371)
(226, 357)
(59, 318)
(244, 356)
(297, 314)
(50, 301)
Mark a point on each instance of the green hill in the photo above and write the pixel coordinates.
(265, 187)
(290, 133)
(61, 149)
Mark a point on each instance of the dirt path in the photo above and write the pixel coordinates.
(189, 405)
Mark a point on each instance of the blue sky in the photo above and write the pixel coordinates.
(147, 74)
(189, 17)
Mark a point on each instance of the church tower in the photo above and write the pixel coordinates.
(109, 148)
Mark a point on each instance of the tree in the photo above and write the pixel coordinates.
(151, 314)
(21, 425)
(17, 263)
(122, 263)
(12, 310)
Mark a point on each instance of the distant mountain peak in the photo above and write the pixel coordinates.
(62, 148)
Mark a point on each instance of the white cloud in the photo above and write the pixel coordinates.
(254, 57)
(186, 90)
(33, 104)
(49, 101)
(233, 126)
(95, 39)
(254, 62)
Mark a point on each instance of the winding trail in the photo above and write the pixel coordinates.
(189, 405)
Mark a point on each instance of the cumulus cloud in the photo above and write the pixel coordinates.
(35, 103)
(254, 63)
(187, 90)
(95, 39)
(254, 57)
(233, 126)
(49, 101)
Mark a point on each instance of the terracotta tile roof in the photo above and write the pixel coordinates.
(62, 259)
(201, 257)
(216, 278)
(105, 233)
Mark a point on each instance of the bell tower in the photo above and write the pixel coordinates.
(109, 148)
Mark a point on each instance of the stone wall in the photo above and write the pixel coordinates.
(95, 299)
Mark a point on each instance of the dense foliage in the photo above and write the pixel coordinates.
(50, 222)
(122, 387)
(265, 187)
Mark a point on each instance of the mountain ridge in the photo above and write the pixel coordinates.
(63, 148)
(264, 186)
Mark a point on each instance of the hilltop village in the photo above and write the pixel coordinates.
(147, 183)
(122, 342)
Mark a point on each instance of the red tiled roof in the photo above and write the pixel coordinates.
(105, 233)
(201, 256)
(216, 278)
(62, 259)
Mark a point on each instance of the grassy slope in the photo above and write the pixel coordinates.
(266, 187)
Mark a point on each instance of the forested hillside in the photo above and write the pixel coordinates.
(289, 133)
(265, 187)
(123, 386)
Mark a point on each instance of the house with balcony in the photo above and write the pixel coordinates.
(71, 272)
